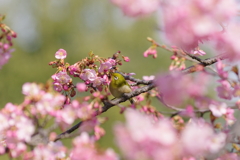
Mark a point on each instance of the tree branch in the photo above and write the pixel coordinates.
(149, 86)
(107, 106)
(203, 63)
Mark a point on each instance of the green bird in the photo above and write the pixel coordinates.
(118, 86)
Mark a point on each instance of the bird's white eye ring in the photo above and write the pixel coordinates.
(116, 78)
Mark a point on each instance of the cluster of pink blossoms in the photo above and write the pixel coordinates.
(176, 87)
(188, 22)
(99, 78)
(94, 76)
(16, 130)
(19, 126)
(226, 90)
(136, 8)
(85, 148)
(5, 42)
(61, 81)
(143, 138)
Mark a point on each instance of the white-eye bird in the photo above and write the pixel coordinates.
(118, 86)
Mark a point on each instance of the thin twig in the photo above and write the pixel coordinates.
(203, 63)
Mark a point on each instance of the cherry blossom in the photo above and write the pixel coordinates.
(176, 87)
(198, 139)
(149, 78)
(88, 75)
(226, 41)
(218, 109)
(139, 138)
(49, 104)
(220, 69)
(224, 90)
(50, 151)
(150, 51)
(5, 54)
(81, 87)
(230, 118)
(135, 8)
(61, 80)
(84, 148)
(31, 89)
(198, 52)
(190, 22)
(61, 54)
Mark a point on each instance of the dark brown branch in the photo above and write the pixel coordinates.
(203, 63)
(68, 132)
(149, 85)
(108, 105)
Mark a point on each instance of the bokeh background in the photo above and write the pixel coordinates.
(78, 26)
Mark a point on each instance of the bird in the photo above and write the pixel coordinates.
(118, 86)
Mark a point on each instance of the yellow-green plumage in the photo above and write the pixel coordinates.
(119, 86)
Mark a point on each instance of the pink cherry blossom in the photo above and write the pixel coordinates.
(149, 78)
(139, 138)
(19, 149)
(50, 151)
(49, 103)
(84, 110)
(150, 51)
(198, 52)
(84, 148)
(220, 69)
(136, 8)
(81, 87)
(199, 139)
(99, 132)
(88, 75)
(16, 129)
(25, 128)
(58, 86)
(74, 70)
(4, 122)
(4, 57)
(61, 54)
(5, 53)
(98, 81)
(126, 59)
(31, 89)
(176, 87)
(224, 90)
(106, 80)
(105, 66)
(111, 61)
(218, 109)
(189, 111)
(66, 115)
(230, 118)
(149, 130)
(236, 91)
(226, 41)
(187, 23)
(229, 156)
(62, 78)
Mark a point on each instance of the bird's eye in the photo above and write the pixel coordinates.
(116, 78)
